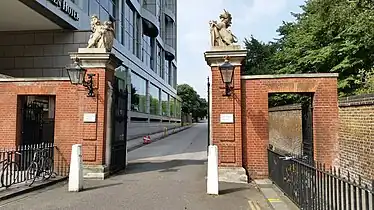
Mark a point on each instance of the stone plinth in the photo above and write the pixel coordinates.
(96, 142)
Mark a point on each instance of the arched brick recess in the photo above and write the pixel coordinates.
(255, 90)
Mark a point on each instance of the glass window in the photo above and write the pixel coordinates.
(177, 109)
(167, 71)
(83, 4)
(165, 103)
(146, 51)
(129, 27)
(104, 16)
(170, 4)
(94, 8)
(112, 8)
(104, 3)
(138, 38)
(172, 107)
(154, 98)
(138, 93)
(159, 69)
(158, 10)
(174, 79)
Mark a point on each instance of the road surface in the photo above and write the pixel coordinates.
(166, 175)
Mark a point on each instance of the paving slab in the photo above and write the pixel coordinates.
(274, 196)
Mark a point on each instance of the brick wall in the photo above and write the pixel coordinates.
(255, 112)
(38, 53)
(285, 128)
(71, 104)
(356, 136)
(227, 136)
(66, 118)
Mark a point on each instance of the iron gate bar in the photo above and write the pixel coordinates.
(312, 186)
(119, 128)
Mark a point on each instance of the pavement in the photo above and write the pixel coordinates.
(168, 174)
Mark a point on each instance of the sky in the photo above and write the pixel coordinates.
(260, 18)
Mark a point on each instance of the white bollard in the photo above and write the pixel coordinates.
(212, 180)
(76, 169)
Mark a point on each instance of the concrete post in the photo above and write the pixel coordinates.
(212, 180)
(76, 169)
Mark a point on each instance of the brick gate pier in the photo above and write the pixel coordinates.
(239, 123)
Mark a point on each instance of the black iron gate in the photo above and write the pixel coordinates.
(32, 123)
(119, 126)
(307, 128)
(36, 127)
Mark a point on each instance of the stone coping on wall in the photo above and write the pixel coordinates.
(359, 100)
(283, 76)
(290, 107)
(34, 79)
(2, 76)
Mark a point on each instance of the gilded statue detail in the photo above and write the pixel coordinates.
(102, 34)
(219, 32)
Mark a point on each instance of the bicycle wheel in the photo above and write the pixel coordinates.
(47, 169)
(31, 174)
(10, 174)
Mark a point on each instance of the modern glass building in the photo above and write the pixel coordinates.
(37, 35)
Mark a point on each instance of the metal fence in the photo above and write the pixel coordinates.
(313, 186)
(15, 162)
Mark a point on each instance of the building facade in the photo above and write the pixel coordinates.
(37, 36)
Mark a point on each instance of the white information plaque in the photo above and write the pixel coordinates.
(227, 118)
(89, 117)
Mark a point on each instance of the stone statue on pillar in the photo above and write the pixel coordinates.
(219, 32)
(102, 34)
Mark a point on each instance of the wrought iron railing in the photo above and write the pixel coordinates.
(313, 186)
(15, 162)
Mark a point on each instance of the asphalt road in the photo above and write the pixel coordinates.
(166, 175)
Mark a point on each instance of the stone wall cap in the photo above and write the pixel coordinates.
(216, 57)
(34, 79)
(358, 100)
(289, 107)
(96, 58)
(280, 76)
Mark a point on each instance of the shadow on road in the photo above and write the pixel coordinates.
(162, 167)
(101, 186)
(232, 190)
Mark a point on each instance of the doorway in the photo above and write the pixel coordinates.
(291, 124)
(37, 116)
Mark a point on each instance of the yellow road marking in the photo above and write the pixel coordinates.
(253, 206)
(274, 200)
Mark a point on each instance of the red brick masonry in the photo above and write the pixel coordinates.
(255, 111)
(71, 104)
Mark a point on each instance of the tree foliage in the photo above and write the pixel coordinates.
(191, 102)
(328, 36)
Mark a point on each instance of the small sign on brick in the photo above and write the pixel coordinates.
(89, 117)
(227, 118)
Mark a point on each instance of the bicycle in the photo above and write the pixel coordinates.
(9, 167)
(41, 166)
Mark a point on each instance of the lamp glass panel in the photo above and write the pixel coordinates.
(76, 75)
(227, 74)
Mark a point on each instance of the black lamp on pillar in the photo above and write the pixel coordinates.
(227, 73)
(77, 76)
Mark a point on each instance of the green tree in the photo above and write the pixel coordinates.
(259, 55)
(191, 102)
(328, 36)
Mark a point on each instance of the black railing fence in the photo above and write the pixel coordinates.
(15, 162)
(313, 186)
